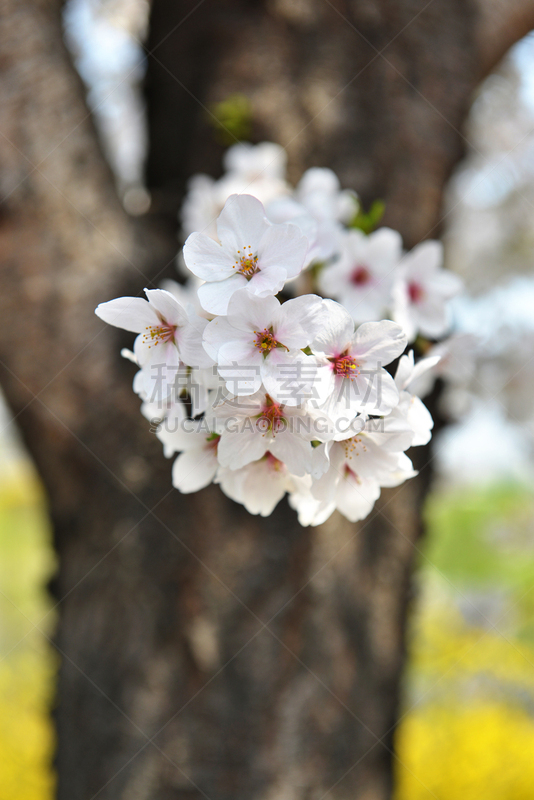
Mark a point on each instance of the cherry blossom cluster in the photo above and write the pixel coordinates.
(254, 376)
(370, 275)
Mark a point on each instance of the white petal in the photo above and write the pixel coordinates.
(241, 223)
(378, 343)
(299, 320)
(404, 371)
(432, 317)
(393, 433)
(206, 259)
(373, 392)
(421, 368)
(294, 452)
(337, 333)
(129, 355)
(131, 313)
(290, 377)
(425, 258)
(263, 488)
(250, 313)
(444, 283)
(192, 351)
(420, 418)
(318, 179)
(283, 246)
(384, 249)
(167, 305)
(193, 470)
(310, 511)
(217, 332)
(214, 297)
(355, 498)
(239, 448)
(175, 434)
(239, 367)
(269, 280)
(404, 470)
(403, 310)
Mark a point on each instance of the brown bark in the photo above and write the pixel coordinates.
(263, 658)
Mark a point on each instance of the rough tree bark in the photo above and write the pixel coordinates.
(206, 653)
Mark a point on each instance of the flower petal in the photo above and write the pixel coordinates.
(193, 470)
(299, 320)
(337, 333)
(214, 297)
(167, 305)
(270, 280)
(283, 246)
(242, 446)
(217, 332)
(206, 259)
(242, 223)
(378, 343)
(250, 313)
(130, 313)
(239, 366)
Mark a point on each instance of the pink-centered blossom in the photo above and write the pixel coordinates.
(259, 486)
(360, 279)
(168, 336)
(252, 426)
(353, 378)
(261, 341)
(251, 254)
(421, 291)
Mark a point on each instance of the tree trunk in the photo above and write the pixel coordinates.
(205, 652)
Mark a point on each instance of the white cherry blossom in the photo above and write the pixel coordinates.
(258, 170)
(352, 376)
(320, 192)
(197, 463)
(168, 336)
(359, 466)
(310, 510)
(259, 486)
(410, 407)
(261, 341)
(253, 254)
(362, 275)
(421, 291)
(256, 162)
(319, 207)
(257, 424)
(266, 397)
(353, 496)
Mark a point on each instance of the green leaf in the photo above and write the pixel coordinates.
(367, 221)
(232, 119)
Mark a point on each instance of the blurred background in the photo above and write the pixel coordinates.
(467, 730)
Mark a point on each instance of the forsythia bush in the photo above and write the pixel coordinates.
(27, 665)
(468, 729)
(466, 752)
(26, 739)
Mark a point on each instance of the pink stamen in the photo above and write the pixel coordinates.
(415, 292)
(271, 417)
(265, 341)
(360, 276)
(345, 365)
